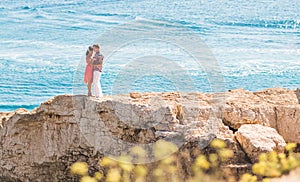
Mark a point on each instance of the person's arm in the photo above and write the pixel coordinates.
(89, 61)
(100, 60)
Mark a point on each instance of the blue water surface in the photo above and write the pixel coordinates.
(256, 44)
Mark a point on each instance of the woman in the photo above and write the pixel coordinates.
(88, 75)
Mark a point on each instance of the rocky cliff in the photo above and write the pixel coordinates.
(40, 145)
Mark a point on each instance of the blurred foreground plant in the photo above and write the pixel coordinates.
(207, 168)
(274, 164)
(132, 167)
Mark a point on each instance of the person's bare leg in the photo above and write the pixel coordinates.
(90, 82)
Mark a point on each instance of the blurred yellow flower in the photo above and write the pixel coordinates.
(168, 160)
(218, 144)
(285, 167)
(98, 176)
(266, 180)
(290, 146)
(281, 156)
(225, 154)
(124, 159)
(126, 166)
(140, 171)
(248, 178)
(270, 165)
(80, 168)
(273, 173)
(213, 158)
(105, 161)
(113, 175)
(124, 162)
(163, 149)
(259, 169)
(171, 169)
(158, 172)
(293, 162)
(87, 179)
(139, 151)
(202, 162)
(272, 156)
(263, 157)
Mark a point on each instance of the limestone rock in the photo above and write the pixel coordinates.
(275, 107)
(43, 143)
(135, 95)
(4, 116)
(288, 122)
(256, 139)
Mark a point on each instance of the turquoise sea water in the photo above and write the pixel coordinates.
(256, 44)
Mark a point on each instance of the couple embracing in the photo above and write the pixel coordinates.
(93, 70)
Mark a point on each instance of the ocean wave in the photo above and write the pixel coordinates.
(51, 5)
(258, 67)
(281, 24)
(27, 8)
(37, 43)
(111, 14)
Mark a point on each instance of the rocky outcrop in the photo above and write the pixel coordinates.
(277, 107)
(4, 116)
(256, 139)
(41, 145)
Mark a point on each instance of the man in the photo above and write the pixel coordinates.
(97, 63)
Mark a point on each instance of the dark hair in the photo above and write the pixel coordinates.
(96, 45)
(89, 49)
